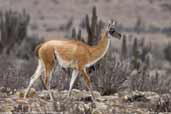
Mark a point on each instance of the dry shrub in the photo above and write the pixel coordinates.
(167, 52)
(110, 73)
(166, 7)
(27, 48)
(17, 58)
(61, 78)
(162, 104)
(150, 80)
(14, 73)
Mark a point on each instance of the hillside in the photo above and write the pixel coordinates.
(47, 16)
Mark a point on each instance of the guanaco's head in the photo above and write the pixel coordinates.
(110, 28)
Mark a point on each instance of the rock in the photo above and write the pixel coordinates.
(135, 96)
(7, 91)
(31, 93)
(3, 95)
(44, 95)
(2, 89)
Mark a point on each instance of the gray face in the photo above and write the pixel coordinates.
(112, 31)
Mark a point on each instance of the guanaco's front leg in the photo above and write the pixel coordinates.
(88, 83)
(73, 78)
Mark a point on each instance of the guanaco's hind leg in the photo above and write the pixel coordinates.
(88, 83)
(48, 85)
(49, 68)
(34, 77)
(48, 77)
(73, 78)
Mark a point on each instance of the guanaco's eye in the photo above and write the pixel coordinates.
(111, 31)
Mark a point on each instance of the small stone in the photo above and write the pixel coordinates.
(15, 90)
(20, 94)
(8, 90)
(2, 89)
(10, 93)
(125, 98)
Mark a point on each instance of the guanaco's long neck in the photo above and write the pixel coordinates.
(98, 51)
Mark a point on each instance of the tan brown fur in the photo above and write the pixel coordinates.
(72, 50)
(37, 49)
(77, 51)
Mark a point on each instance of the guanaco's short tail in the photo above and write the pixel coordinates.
(37, 50)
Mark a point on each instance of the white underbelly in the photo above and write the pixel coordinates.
(64, 63)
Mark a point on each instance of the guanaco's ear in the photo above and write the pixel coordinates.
(111, 24)
(108, 25)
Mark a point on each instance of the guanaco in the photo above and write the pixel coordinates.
(71, 54)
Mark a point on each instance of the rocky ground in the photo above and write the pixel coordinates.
(125, 102)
